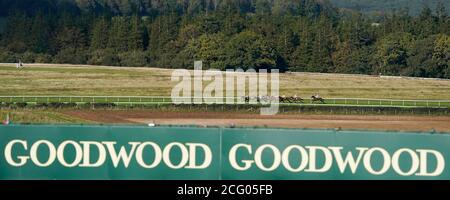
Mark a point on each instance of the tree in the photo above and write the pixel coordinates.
(40, 34)
(391, 53)
(263, 7)
(420, 60)
(443, 18)
(323, 46)
(119, 34)
(71, 37)
(441, 54)
(249, 50)
(100, 34)
(136, 35)
(16, 39)
(349, 59)
(426, 22)
(207, 48)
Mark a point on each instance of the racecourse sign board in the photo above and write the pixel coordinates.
(167, 153)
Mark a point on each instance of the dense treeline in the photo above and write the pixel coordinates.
(294, 35)
(383, 6)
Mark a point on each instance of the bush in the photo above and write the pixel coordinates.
(42, 58)
(133, 59)
(28, 57)
(71, 56)
(21, 105)
(7, 56)
(41, 105)
(56, 105)
(103, 57)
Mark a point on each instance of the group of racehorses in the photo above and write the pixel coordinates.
(282, 99)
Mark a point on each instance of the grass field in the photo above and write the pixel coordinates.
(41, 116)
(72, 80)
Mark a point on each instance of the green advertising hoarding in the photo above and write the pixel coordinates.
(66, 152)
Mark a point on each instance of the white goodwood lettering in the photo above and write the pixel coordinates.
(123, 155)
(319, 159)
(368, 161)
(34, 153)
(78, 154)
(312, 159)
(349, 159)
(266, 157)
(440, 163)
(232, 157)
(87, 162)
(285, 158)
(70, 153)
(276, 157)
(8, 153)
(156, 150)
(184, 154)
(414, 162)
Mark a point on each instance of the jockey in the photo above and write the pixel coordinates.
(19, 64)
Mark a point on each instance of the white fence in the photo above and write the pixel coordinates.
(222, 100)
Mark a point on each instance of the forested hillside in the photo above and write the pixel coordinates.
(294, 35)
(376, 6)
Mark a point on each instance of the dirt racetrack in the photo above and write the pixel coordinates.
(399, 123)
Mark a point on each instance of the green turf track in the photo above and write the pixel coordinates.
(167, 100)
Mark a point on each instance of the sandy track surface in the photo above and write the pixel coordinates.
(400, 123)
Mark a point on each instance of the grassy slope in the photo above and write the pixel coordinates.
(121, 81)
(39, 116)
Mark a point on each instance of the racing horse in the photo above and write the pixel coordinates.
(317, 98)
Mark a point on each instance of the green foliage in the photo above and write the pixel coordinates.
(103, 57)
(100, 33)
(441, 54)
(119, 33)
(249, 50)
(133, 59)
(294, 35)
(70, 56)
(207, 48)
(7, 56)
(392, 53)
(420, 60)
